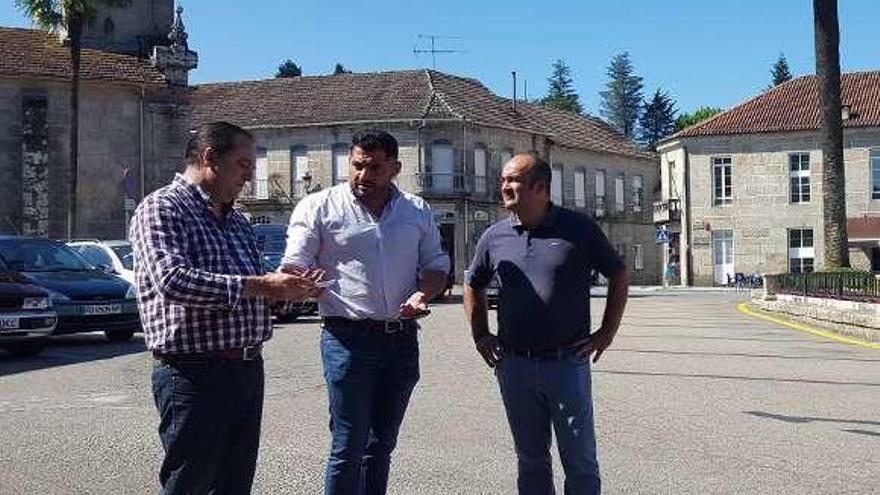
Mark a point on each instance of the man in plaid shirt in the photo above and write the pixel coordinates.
(202, 295)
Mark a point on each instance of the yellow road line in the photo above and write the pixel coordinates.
(744, 308)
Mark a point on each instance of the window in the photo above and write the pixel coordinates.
(299, 165)
(799, 177)
(600, 193)
(340, 164)
(580, 186)
(442, 164)
(94, 255)
(801, 253)
(556, 184)
(722, 190)
(619, 198)
(875, 173)
(480, 170)
(638, 257)
(261, 175)
(637, 193)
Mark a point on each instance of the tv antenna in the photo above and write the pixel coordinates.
(434, 50)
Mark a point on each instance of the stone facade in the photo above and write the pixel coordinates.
(120, 127)
(761, 214)
(464, 203)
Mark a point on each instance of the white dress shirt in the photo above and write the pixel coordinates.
(374, 263)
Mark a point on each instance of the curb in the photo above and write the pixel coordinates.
(745, 308)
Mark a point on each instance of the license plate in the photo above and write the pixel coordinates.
(102, 309)
(9, 323)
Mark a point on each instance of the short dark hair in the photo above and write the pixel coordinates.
(374, 140)
(219, 136)
(540, 171)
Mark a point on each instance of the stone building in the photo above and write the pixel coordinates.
(742, 191)
(454, 136)
(134, 118)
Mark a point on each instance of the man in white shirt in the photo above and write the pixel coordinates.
(380, 250)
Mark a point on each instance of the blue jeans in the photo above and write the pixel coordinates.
(210, 413)
(370, 376)
(538, 395)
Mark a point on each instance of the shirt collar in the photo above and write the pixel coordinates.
(548, 221)
(198, 191)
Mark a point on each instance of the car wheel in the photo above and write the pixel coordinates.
(27, 349)
(119, 335)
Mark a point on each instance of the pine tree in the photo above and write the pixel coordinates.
(561, 94)
(340, 69)
(289, 69)
(780, 71)
(657, 120)
(622, 100)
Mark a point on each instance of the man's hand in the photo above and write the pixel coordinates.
(595, 343)
(488, 347)
(315, 275)
(280, 286)
(415, 306)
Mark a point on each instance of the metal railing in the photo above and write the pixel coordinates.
(456, 184)
(264, 189)
(851, 286)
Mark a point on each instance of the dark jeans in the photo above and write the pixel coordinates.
(210, 414)
(538, 395)
(370, 376)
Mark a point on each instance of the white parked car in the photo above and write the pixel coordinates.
(114, 256)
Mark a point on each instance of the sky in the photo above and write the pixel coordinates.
(715, 53)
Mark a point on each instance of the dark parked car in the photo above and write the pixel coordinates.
(492, 291)
(26, 315)
(85, 298)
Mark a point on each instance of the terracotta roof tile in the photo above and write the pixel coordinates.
(398, 95)
(794, 106)
(39, 54)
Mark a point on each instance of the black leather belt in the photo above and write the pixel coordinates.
(542, 354)
(246, 353)
(389, 326)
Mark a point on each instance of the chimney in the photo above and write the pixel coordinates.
(513, 73)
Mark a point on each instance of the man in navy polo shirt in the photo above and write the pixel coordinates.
(542, 256)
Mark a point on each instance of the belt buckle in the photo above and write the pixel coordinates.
(393, 326)
(250, 352)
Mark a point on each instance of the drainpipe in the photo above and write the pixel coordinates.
(141, 143)
(466, 192)
(686, 220)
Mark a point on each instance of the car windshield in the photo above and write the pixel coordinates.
(272, 261)
(39, 255)
(125, 254)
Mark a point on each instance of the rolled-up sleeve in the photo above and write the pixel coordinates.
(161, 245)
(303, 236)
(431, 254)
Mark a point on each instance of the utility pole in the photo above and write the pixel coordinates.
(434, 50)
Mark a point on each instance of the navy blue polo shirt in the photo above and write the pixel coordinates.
(544, 294)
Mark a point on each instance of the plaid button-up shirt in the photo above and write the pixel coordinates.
(189, 268)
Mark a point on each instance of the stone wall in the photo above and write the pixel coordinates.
(851, 318)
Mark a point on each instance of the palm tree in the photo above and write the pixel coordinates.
(833, 183)
(70, 16)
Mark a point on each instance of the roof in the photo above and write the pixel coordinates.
(794, 106)
(395, 96)
(40, 54)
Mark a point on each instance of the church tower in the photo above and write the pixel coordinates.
(133, 29)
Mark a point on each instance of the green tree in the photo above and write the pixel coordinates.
(780, 71)
(657, 120)
(289, 69)
(622, 99)
(340, 69)
(827, 45)
(68, 16)
(561, 94)
(699, 115)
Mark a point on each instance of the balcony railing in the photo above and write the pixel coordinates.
(269, 189)
(444, 184)
(667, 211)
